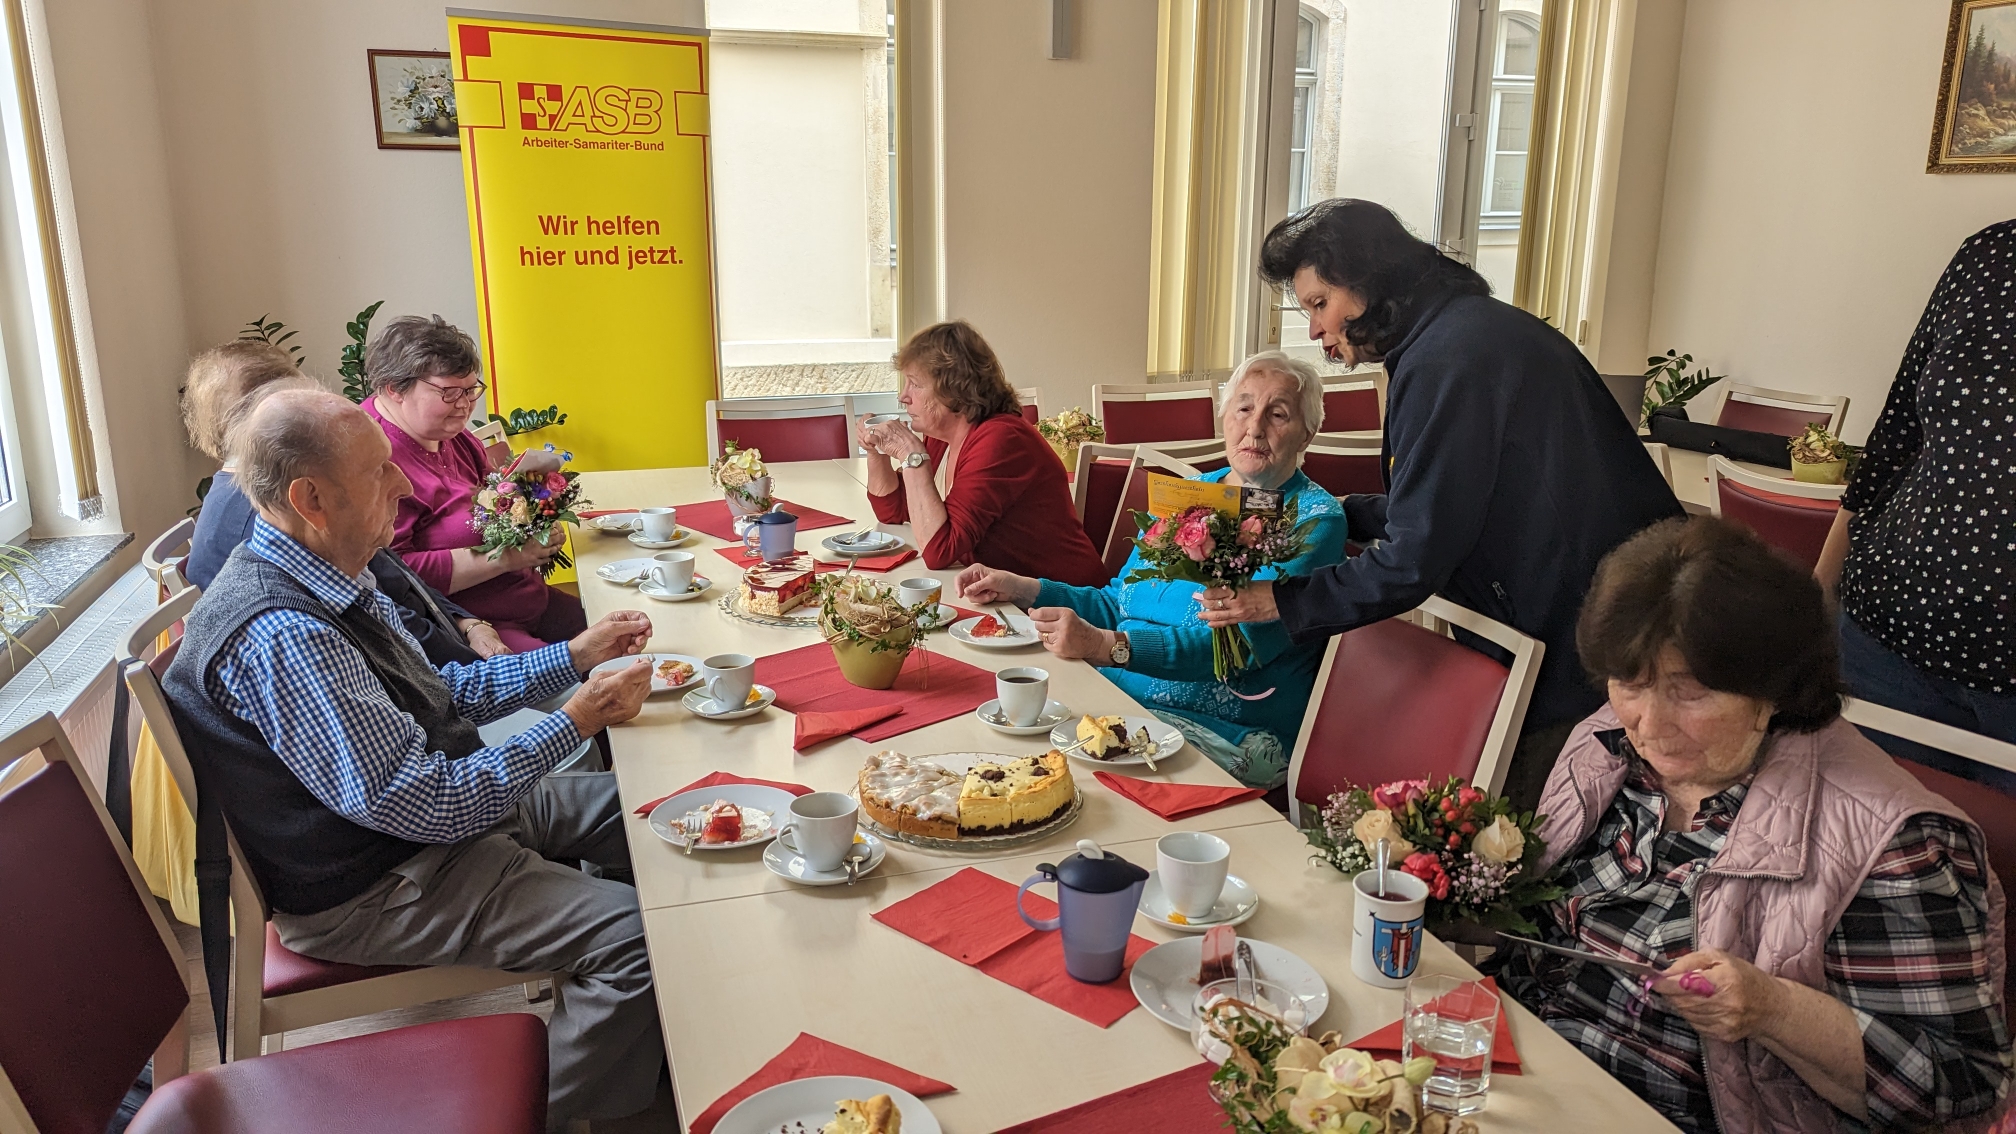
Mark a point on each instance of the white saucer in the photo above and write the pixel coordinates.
(807, 1104)
(1024, 628)
(1054, 712)
(623, 572)
(680, 537)
(1237, 903)
(1168, 741)
(699, 704)
(874, 543)
(616, 523)
(934, 617)
(658, 684)
(1165, 979)
(787, 864)
(665, 817)
(650, 589)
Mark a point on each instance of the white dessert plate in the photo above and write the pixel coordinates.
(658, 684)
(623, 572)
(1165, 978)
(807, 1104)
(764, 810)
(1024, 633)
(1054, 712)
(699, 587)
(1168, 742)
(934, 617)
(616, 523)
(701, 705)
(1236, 903)
(679, 537)
(788, 864)
(874, 543)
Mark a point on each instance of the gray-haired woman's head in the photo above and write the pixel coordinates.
(1273, 408)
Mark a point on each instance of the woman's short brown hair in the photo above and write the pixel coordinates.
(411, 348)
(1746, 619)
(964, 372)
(219, 379)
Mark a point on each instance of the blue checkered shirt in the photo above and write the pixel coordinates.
(319, 706)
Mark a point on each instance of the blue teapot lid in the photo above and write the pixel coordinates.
(776, 515)
(1094, 871)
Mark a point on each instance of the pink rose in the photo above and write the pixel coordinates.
(1194, 537)
(1397, 795)
(1428, 869)
(1249, 531)
(506, 487)
(555, 482)
(1155, 532)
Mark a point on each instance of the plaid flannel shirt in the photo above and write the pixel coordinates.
(1909, 958)
(319, 706)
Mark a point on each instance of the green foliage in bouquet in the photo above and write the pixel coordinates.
(529, 421)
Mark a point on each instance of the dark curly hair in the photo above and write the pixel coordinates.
(1362, 246)
(1747, 619)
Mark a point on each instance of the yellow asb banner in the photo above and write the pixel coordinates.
(585, 159)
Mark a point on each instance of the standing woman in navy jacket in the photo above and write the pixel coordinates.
(1509, 472)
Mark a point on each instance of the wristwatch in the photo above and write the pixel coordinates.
(915, 460)
(1122, 653)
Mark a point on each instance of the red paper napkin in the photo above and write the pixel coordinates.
(711, 516)
(1385, 1042)
(1176, 801)
(931, 688)
(1177, 1103)
(818, 728)
(593, 513)
(884, 562)
(971, 918)
(810, 1057)
(717, 779)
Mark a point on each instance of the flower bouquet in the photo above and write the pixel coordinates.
(1068, 430)
(1819, 457)
(744, 479)
(1278, 1082)
(1474, 852)
(1205, 545)
(525, 502)
(869, 628)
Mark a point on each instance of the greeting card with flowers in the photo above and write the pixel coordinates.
(526, 502)
(1475, 852)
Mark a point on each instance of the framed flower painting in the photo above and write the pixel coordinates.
(413, 100)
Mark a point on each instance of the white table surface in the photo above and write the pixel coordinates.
(744, 961)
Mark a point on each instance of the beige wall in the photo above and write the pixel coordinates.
(1048, 168)
(1801, 235)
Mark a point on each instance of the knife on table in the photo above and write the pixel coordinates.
(1635, 968)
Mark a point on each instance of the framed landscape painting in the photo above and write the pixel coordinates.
(1975, 131)
(413, 100)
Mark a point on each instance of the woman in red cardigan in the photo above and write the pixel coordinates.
(980, 485)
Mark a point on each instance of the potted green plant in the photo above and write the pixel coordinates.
(869, 628)
(1667, 382)
(1819, 457)
(1068, 430)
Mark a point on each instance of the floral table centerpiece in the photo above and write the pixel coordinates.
(1068, 430)
(1475, 853)
(1276, 1081)
(869, 628)
(528, 501)
(1819, 457)
(1215, 548)
(743, 479)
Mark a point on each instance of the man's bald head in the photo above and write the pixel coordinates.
(292, 434)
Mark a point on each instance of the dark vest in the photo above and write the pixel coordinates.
(306, 857)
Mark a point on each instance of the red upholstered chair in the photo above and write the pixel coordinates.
(1119, 542)
(1994, 811)
(1790, 515)
(1396, 701)
(275, 990)
(1156, 411)
(1031, 399)
(1096, 486)
(1344, 466)
(92, 982)
(1203, 456)
(1779, 411)
(1351, 404)
(785, 429)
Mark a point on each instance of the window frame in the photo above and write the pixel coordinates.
(1503, 84)
(1302, 123)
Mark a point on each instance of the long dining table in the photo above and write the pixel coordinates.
(744, 960)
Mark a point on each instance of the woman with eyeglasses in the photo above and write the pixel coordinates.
(426, 383)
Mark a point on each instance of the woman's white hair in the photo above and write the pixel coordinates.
(1308, 384)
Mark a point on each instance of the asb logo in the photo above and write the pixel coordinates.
(606, 110)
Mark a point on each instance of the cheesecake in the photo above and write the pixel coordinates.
(865, 1116)
(1103, 736)
(914, 796)
(778, 588)
(1000, 799)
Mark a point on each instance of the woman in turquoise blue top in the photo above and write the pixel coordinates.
(1147, 638)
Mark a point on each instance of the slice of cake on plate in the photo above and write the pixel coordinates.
(1103, 736)
(865, 1116)
(778, 588)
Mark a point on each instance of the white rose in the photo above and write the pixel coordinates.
(1378, 824)
(1500, 842)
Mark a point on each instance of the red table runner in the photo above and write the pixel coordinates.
(711, 516)
(810, 1057)
(932, 687)
(1177, 1103)
(1384, 1043)
(971, 918)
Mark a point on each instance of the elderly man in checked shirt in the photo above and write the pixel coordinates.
(381, 828)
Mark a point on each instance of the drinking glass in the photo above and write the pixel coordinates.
(1453, 1021)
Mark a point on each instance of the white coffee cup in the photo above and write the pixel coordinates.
(1191, 866)
(821, 828)
(673, 570)
(1023, 691)
(917, 592)
(728, 678)
(660, 524)
(1387, 933)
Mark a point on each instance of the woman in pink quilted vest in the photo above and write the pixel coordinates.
(1830, 930)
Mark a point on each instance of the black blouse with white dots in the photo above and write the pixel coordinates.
(1931, 569)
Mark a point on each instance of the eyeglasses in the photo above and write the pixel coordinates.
(455, 394)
